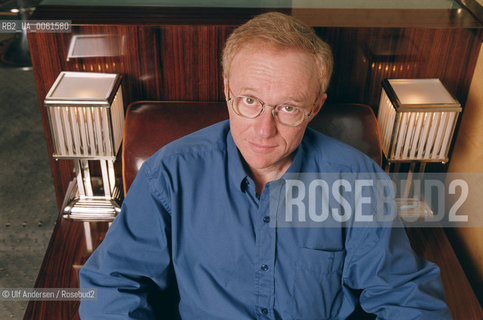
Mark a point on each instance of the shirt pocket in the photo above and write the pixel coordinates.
(317, 291)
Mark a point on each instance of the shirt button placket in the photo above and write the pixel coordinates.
(266, 255)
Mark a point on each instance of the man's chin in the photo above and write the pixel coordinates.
(260, 164)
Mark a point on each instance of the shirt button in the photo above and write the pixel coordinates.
(264, 267)
(266, 219)
(264, 310)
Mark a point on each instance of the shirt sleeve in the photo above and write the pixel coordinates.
(133, 262)
(394, 283)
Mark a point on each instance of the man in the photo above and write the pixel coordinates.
(197, 222)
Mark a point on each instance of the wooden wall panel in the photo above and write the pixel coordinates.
(125, 61)
(190, 62)
(448, 54)
(150, 63)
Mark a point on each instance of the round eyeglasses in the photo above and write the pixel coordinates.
(252, 107)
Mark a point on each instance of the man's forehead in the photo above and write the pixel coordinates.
(258, 66)
(257, 47)
(255, 52)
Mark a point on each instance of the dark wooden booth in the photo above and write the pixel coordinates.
(173, 54)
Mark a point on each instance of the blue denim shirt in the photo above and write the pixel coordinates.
(192, 221)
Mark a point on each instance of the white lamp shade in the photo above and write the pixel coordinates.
(416, 119)
(86, 114)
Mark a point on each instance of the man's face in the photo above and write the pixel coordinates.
(275, 77)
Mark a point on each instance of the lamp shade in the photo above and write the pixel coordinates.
(86, 115)
(417, 118)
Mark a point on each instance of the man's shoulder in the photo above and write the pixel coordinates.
(211, 139)
(336, 153)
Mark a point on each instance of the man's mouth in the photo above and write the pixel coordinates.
(261, 148)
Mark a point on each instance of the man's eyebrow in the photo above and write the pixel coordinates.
(295, 99)
(247, 89)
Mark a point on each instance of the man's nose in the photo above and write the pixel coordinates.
(265, 124)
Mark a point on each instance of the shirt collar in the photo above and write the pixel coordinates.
(236, 171)
(297, 161)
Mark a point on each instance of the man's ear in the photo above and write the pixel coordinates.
(318, 105)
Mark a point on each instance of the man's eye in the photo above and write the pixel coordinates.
(249, 101)
(289, 109)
